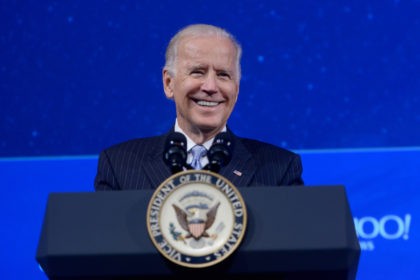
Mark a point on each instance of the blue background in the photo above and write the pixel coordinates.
(336, 81)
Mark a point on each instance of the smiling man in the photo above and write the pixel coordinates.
(203, 80)
(202, 76)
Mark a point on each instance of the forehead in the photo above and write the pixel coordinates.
(207, 49)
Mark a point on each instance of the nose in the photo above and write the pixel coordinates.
(210, 84)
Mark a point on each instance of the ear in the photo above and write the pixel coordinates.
(167, 79)
(237, 92)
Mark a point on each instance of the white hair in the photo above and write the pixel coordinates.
(197, 30)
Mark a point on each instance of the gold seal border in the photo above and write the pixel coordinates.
(183, 173)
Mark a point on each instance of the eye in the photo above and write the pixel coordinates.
(224, 75)
(197, 72)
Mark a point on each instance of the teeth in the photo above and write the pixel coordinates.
(207, 103)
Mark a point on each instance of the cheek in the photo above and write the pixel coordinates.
(231, 89)
(188, 89)
(233, 95)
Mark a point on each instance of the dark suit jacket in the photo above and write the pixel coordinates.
(138, 164)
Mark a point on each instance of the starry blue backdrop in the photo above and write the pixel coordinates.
(336, 81)
(78, 76)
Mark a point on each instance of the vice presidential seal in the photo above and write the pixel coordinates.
(196, 218)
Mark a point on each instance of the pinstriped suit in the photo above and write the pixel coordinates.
(138, 164)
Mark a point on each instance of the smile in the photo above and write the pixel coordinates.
(207, 103)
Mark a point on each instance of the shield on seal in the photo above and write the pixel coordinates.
(196, 229)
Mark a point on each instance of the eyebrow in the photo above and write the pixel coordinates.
(197, 66)
(205, 66)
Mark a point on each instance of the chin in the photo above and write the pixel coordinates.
(208, 123)
(209, 127)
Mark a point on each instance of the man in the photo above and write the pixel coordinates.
(201, 75)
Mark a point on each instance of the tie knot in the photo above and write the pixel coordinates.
(197, 152)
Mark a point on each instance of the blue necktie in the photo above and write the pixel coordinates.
(197, 152)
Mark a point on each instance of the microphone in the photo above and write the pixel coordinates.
(175, 154)
(220, 153)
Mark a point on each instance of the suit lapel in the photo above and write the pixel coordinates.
(154, 167)
(241, 169)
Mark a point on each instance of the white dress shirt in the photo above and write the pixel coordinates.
(190, 143)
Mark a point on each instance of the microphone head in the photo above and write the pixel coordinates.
(220, 153)
(175, 153)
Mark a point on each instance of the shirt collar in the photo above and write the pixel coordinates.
(190, 143)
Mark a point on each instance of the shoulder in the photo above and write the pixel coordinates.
(274, 165)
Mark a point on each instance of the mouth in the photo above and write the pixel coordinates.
(205, 103)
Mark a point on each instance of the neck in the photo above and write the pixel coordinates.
(200, 136)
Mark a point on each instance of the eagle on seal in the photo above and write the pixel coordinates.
(196, 221)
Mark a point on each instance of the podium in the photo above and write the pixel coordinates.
(292, 233)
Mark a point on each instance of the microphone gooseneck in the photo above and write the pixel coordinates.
(220, 153)
(175, 153)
